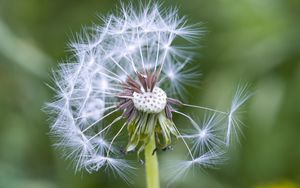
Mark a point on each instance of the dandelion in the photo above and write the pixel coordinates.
(124, 83)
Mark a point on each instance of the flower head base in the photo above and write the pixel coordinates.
(123, 75)
(147, 110)
(151, 102)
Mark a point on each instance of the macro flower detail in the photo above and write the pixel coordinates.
(123, 86)
(147, 110)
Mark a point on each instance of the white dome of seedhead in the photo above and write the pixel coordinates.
(150, 102)
(121, 80)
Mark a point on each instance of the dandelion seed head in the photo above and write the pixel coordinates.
(129, 75)
(150, 102)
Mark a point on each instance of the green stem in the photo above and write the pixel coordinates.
(152, 173)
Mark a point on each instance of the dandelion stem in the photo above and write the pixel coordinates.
(152, 173)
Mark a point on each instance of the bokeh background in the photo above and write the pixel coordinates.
(257, 41)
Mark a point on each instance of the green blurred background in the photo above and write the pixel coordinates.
(250, 40)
